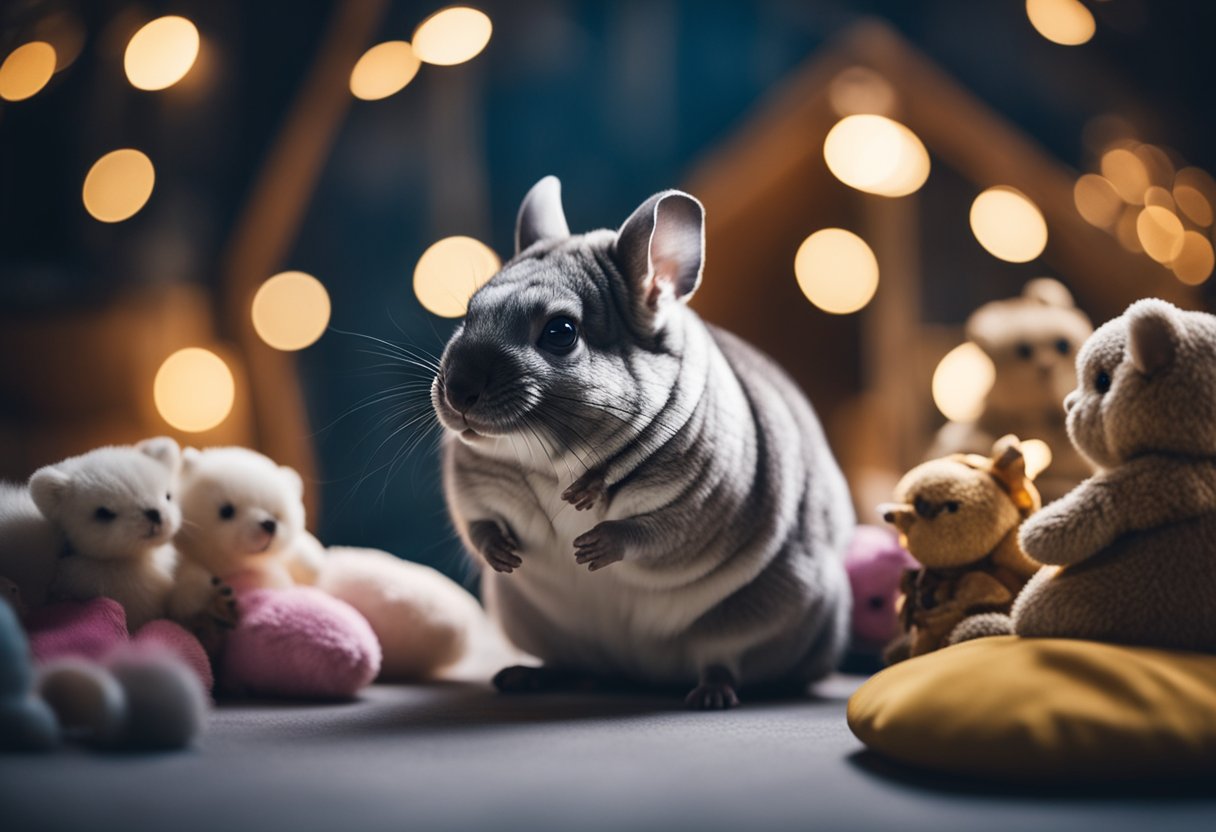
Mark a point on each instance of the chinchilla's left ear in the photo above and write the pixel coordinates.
(661, 250)
(164, 450)
(540, 215)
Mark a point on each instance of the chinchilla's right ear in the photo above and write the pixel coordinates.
(48, 487)
(540, 215)
(661, 251)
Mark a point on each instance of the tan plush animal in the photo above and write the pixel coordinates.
(1032, 340)
(959, 516)
(1135, 545)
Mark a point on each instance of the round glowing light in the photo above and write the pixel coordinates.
(1159, 196)
(1008, 224)
(1125, 229)
(290, 310)
(26, 70)
(1160, 232)
(452, 36)
(161, 53)
(1097, 200)
(65, 32)
(836, 271)
(962, 381)
(383, 70)
(1127, 173)
(859, 89)
(194, 390)
(1065, 22)
(450, 271)
(118, 185)
(1195, 261)
(877, 155)
(1037, 455)
(1157, 164)
(1195, 191)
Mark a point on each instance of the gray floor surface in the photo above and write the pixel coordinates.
(458, 756)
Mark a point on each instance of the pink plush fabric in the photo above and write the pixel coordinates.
(170, 637)
(76, 628)
(875, 562)
(298, 643)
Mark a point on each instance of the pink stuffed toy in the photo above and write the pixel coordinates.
(244, 523)
(875, 563)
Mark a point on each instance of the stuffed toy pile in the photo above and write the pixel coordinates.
(1032, 341)
(959, 517)
(143, 576)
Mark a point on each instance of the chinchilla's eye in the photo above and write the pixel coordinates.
(559, 335)
(1024, 351)
(1063, 346)
(227, 511)
(104, 514)
(1102, 381)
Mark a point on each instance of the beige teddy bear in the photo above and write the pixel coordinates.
(1032, 340)
(1135, 545)
(959, 516)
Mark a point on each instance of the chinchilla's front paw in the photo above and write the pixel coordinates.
(496, 545)
(600, 547)
(585, 492)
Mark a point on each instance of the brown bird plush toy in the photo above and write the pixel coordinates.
(959, 517)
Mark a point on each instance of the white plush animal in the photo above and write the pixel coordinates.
(244, 524)
(29, 547)
(117, 510)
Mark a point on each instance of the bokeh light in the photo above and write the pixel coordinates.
(1097, 200)
(290, 310)
(118, 185)
(1194, 191)
(860, 89)
(194, 390)
(1195, 261)
(26, 70)
(1008, 225)
(1160, 197)
(836, 271)
(1066, 22)
(962, 381)
(161, 53)
(877, 155)
(450, 271)
(383, 70)
(65, 32)
(452, 36)
(1127, 173)
(1160, 233)
(1125, 229)
(1037, 455)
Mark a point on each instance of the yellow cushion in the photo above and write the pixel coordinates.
(1034, 709)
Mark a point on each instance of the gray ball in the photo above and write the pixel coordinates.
(27, 724)
(166, 703)
(88, 700)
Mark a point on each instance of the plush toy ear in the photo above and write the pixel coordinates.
(1152, 336)
(293, 477)
(661, 250)
(48, 487)
(540, 215)
(190, 459)
(1008, 462)
(1048, 292)
(164, 450)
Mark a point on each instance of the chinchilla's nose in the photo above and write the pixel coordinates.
(268, 526)
(1070, 401)
(153, 515)
(463, 386)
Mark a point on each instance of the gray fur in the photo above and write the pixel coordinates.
(680, 465)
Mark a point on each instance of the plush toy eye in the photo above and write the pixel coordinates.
(104, 515)
(876, 602)
(559, 335)
(227, 511)
(1063, 346)
(924, 508)
(168, 496)
(952, 506)
(1102, 381)
(1025, 351)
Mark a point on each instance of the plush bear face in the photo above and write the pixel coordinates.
(240, 507)
(1033, 341)
(1146, 383)
(113, 502)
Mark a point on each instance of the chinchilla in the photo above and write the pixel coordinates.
(655, 496)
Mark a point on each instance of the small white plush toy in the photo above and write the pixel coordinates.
(30, 546)
(117, 510)
(244, 524)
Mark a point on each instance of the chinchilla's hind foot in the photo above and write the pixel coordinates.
(715, 693)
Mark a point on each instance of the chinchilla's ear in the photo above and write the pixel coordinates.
(1152, 336)
(48, 487)
(540, 215)
(661, 250)
(164, 450)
